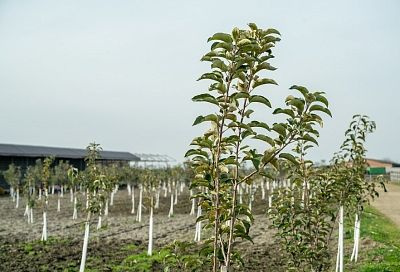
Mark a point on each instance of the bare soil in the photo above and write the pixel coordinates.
(122, 236)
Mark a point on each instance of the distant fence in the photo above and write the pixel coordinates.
(392, 176)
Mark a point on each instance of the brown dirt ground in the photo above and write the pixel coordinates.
(20, 251)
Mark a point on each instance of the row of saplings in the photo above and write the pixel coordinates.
(306, 212)
(45, 178)
(96, 186)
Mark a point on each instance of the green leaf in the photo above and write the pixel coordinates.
(211, 76)
(260, 99)
(247, 133)
(248, 113)
(217, 63)
(221, 37)
(263, 81)
(280, 129)
(198, 120)
(209, 56)
(253, 26)
(243, 42)
(211, 117)
(205, 98)
(271, 31)
(265, 138)
(289, 157)
(192, 152)
(284, 111)
(309, 138)
(201, 119)
(241, 95)
(264, 66)
(320, 108)
(219, 86)
(235, 33)
(296, 102)
(223, 45)
(301, 89)
(319, 97)
(259, 124)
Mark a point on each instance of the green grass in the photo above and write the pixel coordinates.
(141, 262)
(383, 236)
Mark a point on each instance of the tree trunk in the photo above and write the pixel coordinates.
(176, 196)
(31, 212)
(106, 208)
(17, 202)
(192, 211)
(339, 259)
(357, 223)
(150, 247)
(44, 230)
(75, 214)
(197, 236)
(139, 214)
(12, 193)
(133, 200)
(171, 208)
(58, 203)
(85, 244)
(112, 199)
(129, 188)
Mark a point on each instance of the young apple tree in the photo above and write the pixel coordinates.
(240, 62)
(13, 177)
(95, 184)
(45, 178)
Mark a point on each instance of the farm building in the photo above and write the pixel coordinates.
(25, 155)
(384, 167)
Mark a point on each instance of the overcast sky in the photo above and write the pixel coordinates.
(122, 73)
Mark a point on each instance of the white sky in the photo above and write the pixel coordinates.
(123, 72)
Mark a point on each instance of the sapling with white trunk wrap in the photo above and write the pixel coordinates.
(45, 177)
(113, 175)
(60, 178)
(140, 204)
(13, 177)
(150, 181)
(349, 169)
(96, 185)
(29, 179)
(73, 179)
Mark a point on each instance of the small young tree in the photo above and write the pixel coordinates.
(305, 214)
(45, 177)
(302, 214)
(239, 62)
(96, 186)
(61, 175)
(73, 179)
(13, 177)
(60, 178)
(29, 179)
(112, 174)
(150, 181)
(349, 168)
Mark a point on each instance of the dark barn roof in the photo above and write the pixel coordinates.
(13, 150)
